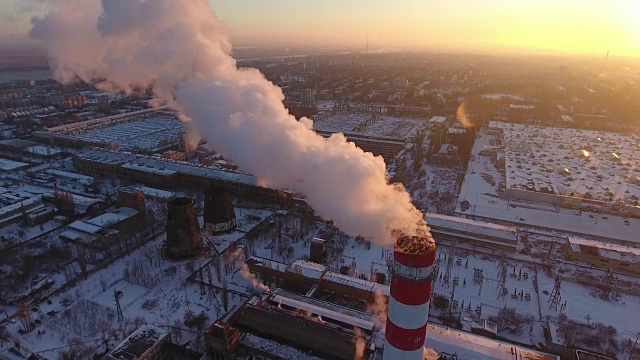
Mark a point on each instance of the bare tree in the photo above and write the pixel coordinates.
(150, 254)
(24, 316)
(4, 336)
(103, 284)
(106, 332)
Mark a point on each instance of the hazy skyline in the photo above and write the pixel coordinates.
(587, 26)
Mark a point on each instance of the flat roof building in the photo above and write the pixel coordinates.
(472, 231)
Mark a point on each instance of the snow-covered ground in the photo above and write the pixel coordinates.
(154, 291)
(526, 277)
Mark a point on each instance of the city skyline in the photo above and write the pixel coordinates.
(495, 26)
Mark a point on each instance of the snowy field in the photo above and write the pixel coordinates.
(479, 197)
(368, 124)
(573, 162)
(528, 292)
(440, 187)
(154, 291)
(146, 134)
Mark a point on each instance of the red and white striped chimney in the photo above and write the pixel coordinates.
(409, 303)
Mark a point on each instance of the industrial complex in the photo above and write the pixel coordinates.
(509, 220)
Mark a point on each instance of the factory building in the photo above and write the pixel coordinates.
(298, 324)
(151, 343)
(285, 325)
(166, 174)
(599, 254)
(386, 147)
(132, 198)
(467, 231)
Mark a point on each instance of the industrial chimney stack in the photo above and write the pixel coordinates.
(409, 301)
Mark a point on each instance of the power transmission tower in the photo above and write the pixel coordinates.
(502, 278)
(447, 274)
(608, 284)
(117, 295)
(555, 297)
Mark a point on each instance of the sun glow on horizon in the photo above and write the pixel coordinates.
(567, 26)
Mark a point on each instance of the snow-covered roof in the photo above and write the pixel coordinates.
(438, 119)
(13, 207)
(472, 226)
(352, 124)
(116, 216)
(533, 154)
(273, 347)
(42, 150)
(469, 346)
(155, 193)
(8, 165)
(163, 166)
(85, 227)
(267, 263)
(138, 343)
(307, 269)
(349, 281)
(149, 169)
(324, 312)
(607, 250)
(520, 106)
(77, 236)
(104, 120)
(71, 175)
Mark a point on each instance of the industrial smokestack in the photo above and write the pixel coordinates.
(408, 311)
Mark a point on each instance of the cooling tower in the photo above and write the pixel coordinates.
(184, 239)
(409, 299)
(219, 215)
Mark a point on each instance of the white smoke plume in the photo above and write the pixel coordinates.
(231, 260)
(360, 344)
(180, 50)
(378, 308)
(430, 354)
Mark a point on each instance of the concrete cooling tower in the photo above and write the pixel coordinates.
(184, 239)
(219, 214)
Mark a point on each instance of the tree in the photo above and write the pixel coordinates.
(76, 350)
(198, 322)
(149, 254)
(24, 316)
(4, 335)
(106, 332)
(82, 260)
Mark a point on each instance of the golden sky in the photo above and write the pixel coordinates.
(591, 26)
(575, 26)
